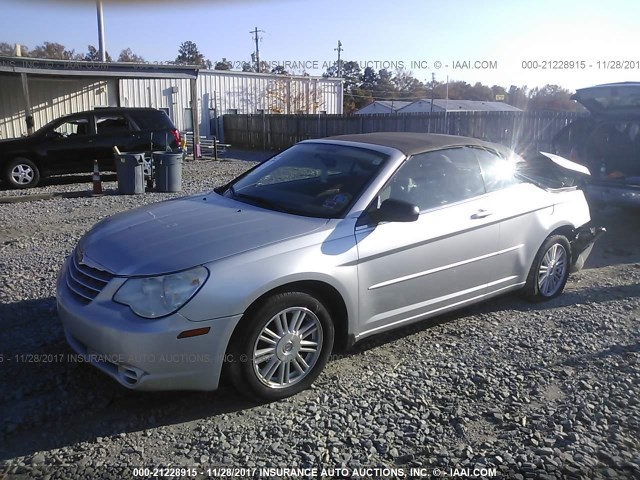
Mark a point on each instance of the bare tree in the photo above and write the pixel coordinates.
(284, 96)
(54, 51)
(9, 49)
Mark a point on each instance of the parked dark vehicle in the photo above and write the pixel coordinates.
(607, 142)
(70, 144)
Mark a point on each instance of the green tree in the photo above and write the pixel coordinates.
(551, 98)
(223, 64)
(517, 96)
(480, 92)
(350, 72)
(128, 56)
(353, 97)
(497, 90)
(188, 54)
(458, 90)
(93, 55)
(279, 70)
(369, 79)
(384, 87)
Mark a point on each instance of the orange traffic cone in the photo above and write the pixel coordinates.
(97, 184)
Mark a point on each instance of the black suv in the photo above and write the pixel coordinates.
(607, 142)
(70, 144)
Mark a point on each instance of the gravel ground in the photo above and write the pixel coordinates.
(534, 391)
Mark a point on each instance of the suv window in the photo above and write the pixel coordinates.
(433, 179)
(77, 126)
(106, 124)
(152, 120)
(498, 172)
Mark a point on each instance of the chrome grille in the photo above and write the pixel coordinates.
(84, 281)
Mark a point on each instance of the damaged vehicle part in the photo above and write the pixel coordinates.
(607, 142)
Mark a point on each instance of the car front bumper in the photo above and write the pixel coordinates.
(139, 353)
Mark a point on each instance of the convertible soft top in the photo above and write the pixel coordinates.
(411, 143)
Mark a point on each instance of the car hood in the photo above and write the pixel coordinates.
(179, 234)
(611, 99)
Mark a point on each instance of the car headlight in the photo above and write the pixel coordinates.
(153, 297)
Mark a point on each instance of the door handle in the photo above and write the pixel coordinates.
(481, 214)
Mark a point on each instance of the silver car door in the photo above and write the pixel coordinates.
(515, 206)
(412, 270)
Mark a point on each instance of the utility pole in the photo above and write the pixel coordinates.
(433, 89)
(433, 94)
(339, 50)
(101, 46)
(255, 32)
(446, 107)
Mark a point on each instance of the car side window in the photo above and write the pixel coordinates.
(498, 172)
(433, 179)
(77, 126)
(108, 124)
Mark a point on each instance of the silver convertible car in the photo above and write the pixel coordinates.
(324, 244)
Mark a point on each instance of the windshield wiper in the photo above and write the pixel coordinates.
(259, 201)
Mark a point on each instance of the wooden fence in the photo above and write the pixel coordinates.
(522, 131)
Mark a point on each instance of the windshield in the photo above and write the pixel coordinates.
(310, 179)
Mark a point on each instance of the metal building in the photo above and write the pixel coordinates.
(47, 89)
(383, 106)
(228, 92)
(442, 105)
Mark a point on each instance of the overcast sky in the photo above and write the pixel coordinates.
(391, 33)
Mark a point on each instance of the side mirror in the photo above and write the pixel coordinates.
(396, 211)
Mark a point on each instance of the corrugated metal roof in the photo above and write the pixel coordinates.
(73, 68)
(471, 105)
(393, 104)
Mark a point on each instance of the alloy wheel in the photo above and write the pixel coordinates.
(288, 347)
(553, 269)
(22, 174)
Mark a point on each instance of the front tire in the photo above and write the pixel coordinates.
(21, 173)
(550, 270)
(281, 347)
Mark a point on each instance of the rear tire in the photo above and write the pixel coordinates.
(550, 270)
(280, 348)
(21, 173)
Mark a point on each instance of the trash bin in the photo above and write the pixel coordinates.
(168, 171)
(130, 173)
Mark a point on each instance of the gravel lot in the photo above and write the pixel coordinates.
(534, 391)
